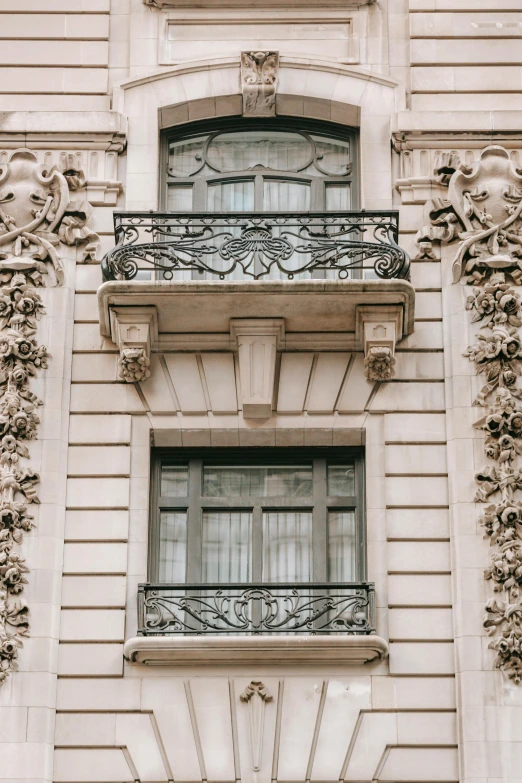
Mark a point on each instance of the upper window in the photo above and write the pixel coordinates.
(247, 516)
(272, 166)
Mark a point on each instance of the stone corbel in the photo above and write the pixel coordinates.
(134, 330)
(257, 341)
(377, 330)
(103, 192)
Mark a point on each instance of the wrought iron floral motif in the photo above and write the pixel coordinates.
(484, 212)
(254, 609)
(256, 245)
(21, 357)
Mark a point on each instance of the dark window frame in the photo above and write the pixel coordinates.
(280, 123)
(194, 503)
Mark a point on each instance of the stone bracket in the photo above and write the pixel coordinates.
(257, 341)
(377, 330)
(134, 330)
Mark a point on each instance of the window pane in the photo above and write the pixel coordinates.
(241, 150)
(174, 481)
(179, 198)
(341, 480)
(227, 546)
(173, 546)
(287, 546)
(341, 546)
(185, 157)
(338, 197)
(231, 196)
(257, 481)
(333, 157)
(281, 196)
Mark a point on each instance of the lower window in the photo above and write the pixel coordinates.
(257, 516)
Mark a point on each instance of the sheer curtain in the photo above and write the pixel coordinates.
(226, 546)
(287, 546)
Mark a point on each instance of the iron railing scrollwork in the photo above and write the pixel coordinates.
(256, 246)
(306, 608)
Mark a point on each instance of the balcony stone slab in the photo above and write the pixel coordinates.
(200, 309)
(255, 650)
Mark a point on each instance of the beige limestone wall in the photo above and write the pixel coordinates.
(54, 55)
(465, 55)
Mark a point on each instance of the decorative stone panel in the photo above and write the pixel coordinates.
(482, 215)
(37, 218)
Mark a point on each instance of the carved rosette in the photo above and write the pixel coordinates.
(482, 216)
(37, 217)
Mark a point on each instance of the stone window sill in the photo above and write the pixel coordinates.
(255, 650)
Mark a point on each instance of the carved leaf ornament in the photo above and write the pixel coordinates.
(37, 217)
(482, 215)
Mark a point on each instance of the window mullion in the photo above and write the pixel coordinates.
(319, 522)
(257, 544)
(194, 532)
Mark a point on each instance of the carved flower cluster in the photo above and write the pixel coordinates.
(20, 359)
(134, 365)
(497, 354)
(379, 363)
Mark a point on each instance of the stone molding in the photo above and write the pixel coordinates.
(482, 216)
(255, 650)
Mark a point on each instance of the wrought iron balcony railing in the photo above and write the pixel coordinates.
(306, 608)
(255, 246)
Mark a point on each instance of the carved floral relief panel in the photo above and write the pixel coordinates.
(482, 217)
(37, 218)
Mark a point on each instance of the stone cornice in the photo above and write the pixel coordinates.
(103, 130)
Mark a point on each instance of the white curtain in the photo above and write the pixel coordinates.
(226, 546)
(287, 546)
(341, 546)
(173, 546)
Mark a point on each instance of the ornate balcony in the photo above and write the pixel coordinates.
(308, 623)
(232, 246)
(326, 608)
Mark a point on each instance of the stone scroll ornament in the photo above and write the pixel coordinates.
(483, 217)
(37, 217)
(259, 80)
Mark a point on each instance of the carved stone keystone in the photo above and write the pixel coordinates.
(257, 341)
(259, 78)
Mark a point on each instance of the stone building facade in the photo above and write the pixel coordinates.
(257, 382)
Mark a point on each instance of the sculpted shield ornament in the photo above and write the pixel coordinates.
(483, 210)
(37, 215)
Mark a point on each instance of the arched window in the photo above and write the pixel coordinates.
(260, 166)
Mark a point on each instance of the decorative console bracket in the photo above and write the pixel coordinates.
(378, 329)
(257, 341)
(134, 329)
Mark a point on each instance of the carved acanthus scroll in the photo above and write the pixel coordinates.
(482, 215)
(259, 79)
